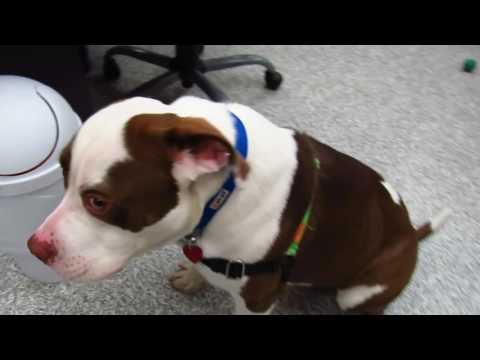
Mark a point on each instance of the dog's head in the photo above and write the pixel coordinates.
(130, 176)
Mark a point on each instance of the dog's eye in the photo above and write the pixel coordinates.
(96, 204)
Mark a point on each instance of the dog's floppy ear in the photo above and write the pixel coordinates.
(192, 145)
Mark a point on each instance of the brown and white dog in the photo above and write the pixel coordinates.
(139, 172)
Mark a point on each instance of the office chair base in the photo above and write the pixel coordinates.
(188, 68)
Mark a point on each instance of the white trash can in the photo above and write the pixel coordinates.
(36, 123)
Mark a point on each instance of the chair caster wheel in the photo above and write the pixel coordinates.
(273, 79)
(111, 70)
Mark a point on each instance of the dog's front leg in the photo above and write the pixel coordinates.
(187, 279)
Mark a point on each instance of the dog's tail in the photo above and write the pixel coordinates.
(433, 225)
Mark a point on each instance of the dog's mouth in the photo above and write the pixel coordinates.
(85, 272)
(70, 274)
(76, 276)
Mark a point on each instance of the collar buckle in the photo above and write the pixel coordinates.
(238, 267)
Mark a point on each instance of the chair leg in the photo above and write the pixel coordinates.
(85, 58)
(213, 92)
(140, 54)
(273, 79)
(235, 61)
(163, 80)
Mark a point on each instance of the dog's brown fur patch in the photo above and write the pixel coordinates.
(356, 235)
(156, 137)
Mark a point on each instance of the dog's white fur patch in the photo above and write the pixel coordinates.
(249, 221)
(357, 295)
(393, 194)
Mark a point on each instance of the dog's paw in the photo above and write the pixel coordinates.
(186, 279)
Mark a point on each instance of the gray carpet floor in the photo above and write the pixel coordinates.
(407, 111)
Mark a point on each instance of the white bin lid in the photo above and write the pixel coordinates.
(35, 124)
(28, 128)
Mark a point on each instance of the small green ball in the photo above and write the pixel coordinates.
(469, 65)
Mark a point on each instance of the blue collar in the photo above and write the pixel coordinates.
(217, 201)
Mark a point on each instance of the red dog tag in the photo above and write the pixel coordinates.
(193, 253)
